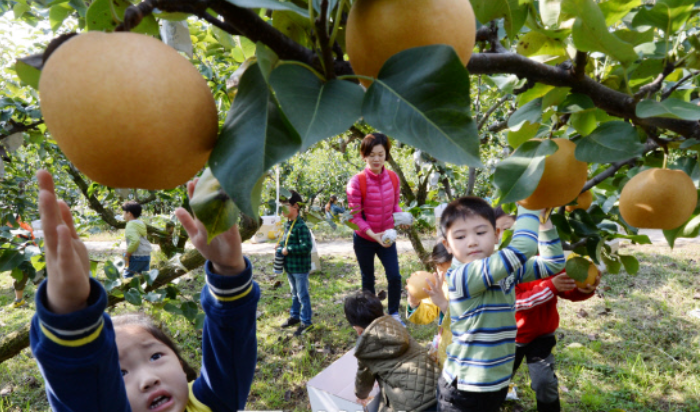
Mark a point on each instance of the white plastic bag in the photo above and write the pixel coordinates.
(403, 218)
(389, 237)
(315, 258)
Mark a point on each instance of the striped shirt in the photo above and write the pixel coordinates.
(482, 305)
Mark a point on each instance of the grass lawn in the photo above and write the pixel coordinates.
(632, 347)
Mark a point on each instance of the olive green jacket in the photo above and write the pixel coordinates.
(407, 376)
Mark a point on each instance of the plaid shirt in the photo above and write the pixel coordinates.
(298, 259)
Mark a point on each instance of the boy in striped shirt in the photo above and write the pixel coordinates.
(479, 361)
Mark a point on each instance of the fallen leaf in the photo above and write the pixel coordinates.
(564, 388)
(5, 391)
(381, 295)
(574, 345)
(276, 284)
(582, 313)
(696, 296)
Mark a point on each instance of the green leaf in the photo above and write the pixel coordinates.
(530, 112)
(590, 33)
(199, 321)
(171, 308)
(110, 270)
(225, 39)
(27, 71)
(93, 267)
(189, 310)
(641, 239)
(421, 98)
(57, 14)
(594, 245)
(154, 297)
(292, 25)
(615, 10)
(316, 109)
(549, 11)
(270, 5)
(79, 6)
(612, 263)
(526, 132)
(583, 122)
(691, 229)
(630, 263)
(672, 108)
(538, 44)
(505, 239)
(133, 296)
(99, 17)
(576, 102)
(212, 206)
(513, 12)
(577, 268)
(610, 142)
(518, 175)
(151, 276)
(111, 284)
(555, 97)
(267, 59)
(256, 136)
(689, 143)
(635, 37)
(666, 15)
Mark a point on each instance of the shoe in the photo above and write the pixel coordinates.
(303, 328)
(397, 316)
(290, 322)
(19, 304)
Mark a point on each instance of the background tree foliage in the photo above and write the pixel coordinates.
(617, 77)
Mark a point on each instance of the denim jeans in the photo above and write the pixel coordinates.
(365, 250)
(301, 300)
(137, 264)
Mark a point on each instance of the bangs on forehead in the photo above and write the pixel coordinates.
(465, 208)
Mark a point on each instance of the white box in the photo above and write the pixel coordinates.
(333, 390)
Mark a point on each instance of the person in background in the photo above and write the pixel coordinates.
(138, 248)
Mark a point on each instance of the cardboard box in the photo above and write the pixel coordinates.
(333, 390)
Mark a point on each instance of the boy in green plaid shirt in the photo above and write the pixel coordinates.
(296, 246)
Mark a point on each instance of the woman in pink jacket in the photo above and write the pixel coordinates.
(374, 192)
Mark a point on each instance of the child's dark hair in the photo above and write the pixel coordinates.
(440, 255)
(294, 198)
(362, 308)
(372, 140)
(132, 207)
(463, 208)
(144, 322)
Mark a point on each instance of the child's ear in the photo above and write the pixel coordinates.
(447, 245)
(498, 234)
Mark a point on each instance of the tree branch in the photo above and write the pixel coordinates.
(655, 86)
(324, 40)
(19, 128)
(673, 88)
(649, 146)
(580, 65)
(490, 111)
(616, 103)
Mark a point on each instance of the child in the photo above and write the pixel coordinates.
(386, 353)
(480, 358)
(92, 364)
(436, 306)
(537, 319)
(138, 248)
(296, 246)
(504, 221)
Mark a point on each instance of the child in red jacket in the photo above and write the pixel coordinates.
(537, 318)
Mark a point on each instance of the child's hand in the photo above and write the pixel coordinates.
(67, 263)
(285, 252)
(436, 294)
(224, 251)
(563, 283)
(591, 288)
(412, 300)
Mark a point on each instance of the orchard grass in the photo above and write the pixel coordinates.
(632, 347)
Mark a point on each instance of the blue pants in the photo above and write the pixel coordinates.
(138, 264)
(365, 251)
(301, 300)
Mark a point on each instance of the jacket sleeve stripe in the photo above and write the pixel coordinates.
(72, 343)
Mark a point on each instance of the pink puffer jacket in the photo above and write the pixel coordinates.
(381, 202)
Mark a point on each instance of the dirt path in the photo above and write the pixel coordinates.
(344, 247)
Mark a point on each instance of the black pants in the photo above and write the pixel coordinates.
(540, 364)
(365, 251)
(451, 399)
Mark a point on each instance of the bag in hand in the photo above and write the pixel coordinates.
(278, 266)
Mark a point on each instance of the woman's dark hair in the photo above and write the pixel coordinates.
(144, 322)
(132, 207)
(362, 308)
(463, 208)
(372, 140)
(333, 199)
(440, 254)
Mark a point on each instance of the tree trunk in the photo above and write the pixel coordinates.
(472, 181)
(418, 247)
(13, 343)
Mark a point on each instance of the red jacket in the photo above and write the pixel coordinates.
(536, 307)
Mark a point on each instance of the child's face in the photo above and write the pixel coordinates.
(471, 239)
(289, 211)
(442, 268)
(505, 222)
(153, 374)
